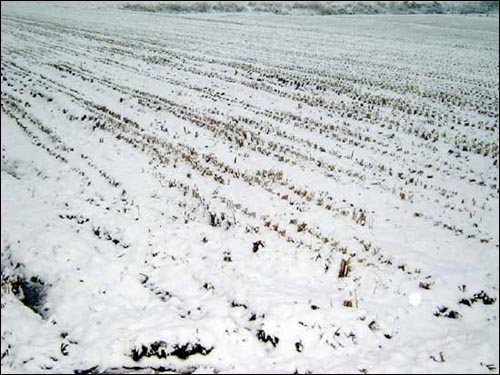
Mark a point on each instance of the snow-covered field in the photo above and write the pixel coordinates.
(252, 193)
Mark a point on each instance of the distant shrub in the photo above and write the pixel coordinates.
(318, 7)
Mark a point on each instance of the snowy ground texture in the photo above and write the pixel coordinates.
(220, 193)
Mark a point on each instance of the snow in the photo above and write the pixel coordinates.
(145, 155)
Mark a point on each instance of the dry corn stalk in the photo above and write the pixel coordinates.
(344, 268)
